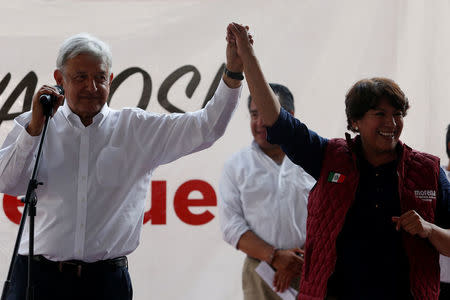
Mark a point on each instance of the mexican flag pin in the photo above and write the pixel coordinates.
(336, 177)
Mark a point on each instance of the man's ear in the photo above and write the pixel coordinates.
(58, 77)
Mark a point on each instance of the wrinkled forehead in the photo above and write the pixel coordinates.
(86, 63)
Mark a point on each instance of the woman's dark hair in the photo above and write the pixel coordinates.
(366, 94)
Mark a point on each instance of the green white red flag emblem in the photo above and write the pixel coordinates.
(336, 177)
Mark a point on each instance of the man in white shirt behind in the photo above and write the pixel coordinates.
(96, 167)
(444, 260)
(263, 208)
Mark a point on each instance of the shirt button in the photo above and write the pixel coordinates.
(376, 174)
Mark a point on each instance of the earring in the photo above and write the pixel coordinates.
(356, 128)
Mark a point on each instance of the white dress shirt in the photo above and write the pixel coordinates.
(96, 178)
(269, 199)
(445, 260)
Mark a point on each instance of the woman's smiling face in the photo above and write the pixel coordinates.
(380, 129)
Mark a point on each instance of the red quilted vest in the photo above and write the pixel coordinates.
(418, 176)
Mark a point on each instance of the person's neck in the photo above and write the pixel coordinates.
(377, 159)
(86, 121)
(275, 153)
(381, 159)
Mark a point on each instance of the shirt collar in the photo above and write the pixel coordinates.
(66, 110)
(98, 118)
(101, 116)
(256, 147)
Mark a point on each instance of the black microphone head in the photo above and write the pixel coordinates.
(60, 89)
(46, 99)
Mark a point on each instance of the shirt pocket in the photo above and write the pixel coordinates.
(111, 166)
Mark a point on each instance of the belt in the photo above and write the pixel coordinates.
(79, 268)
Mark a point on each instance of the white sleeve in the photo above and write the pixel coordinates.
(231, 215)
(168, 137)
(16, 157)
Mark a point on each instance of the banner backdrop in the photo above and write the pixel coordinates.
(167, 56)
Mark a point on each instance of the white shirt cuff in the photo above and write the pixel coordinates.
(226, 92)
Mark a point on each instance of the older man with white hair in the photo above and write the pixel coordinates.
(96, 166)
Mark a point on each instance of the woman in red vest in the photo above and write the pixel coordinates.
(374, 216)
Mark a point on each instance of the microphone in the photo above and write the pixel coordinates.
(48, 100)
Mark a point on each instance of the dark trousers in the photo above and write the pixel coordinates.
(445, 291)
(50, 283)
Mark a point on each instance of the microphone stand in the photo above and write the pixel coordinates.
(30, 209)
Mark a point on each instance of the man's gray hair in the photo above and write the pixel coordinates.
(83, 43)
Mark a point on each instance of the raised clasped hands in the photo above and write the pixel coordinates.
(240, 43)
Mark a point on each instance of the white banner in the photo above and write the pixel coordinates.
(168, 54)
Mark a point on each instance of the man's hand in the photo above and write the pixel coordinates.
(234, 61)
(243, 41)
(288, 264)
(37, 116)
(413, 223)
